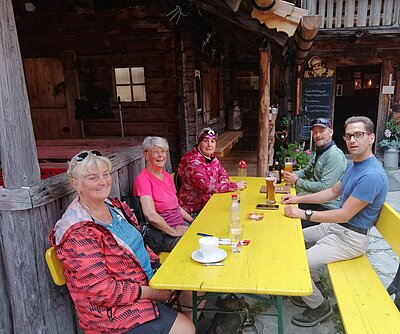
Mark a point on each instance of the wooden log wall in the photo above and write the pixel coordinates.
(30, 303)
(136, 36)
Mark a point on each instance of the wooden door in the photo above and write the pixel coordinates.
(46, 90)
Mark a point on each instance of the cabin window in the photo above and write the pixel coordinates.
(130, 84)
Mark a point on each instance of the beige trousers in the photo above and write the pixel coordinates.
(330, 243)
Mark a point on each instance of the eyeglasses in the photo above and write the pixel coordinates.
(82, 156)
(357, 135)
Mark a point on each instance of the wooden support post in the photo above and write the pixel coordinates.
(298, 89)
(384, 100)
(263, 118)
(18, 150)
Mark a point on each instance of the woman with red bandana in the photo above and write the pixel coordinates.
(203, 175)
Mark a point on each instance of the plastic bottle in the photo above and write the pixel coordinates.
(277, 172)
(234, 210)
(235, 226)
(242, 170)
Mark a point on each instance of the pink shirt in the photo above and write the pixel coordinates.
(163, 193)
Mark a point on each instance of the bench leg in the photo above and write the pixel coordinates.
(394, 288)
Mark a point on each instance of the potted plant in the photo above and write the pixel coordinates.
(391, 144)
(297, 152)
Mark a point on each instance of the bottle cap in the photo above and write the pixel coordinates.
(242, 164)
(234, 196)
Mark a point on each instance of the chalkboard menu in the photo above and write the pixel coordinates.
(317, 97)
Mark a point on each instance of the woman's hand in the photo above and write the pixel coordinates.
(241, 185)
(164, 295)
(290, 178)
(155, 294)
(293, 211)
(179, 231)
(289, 199)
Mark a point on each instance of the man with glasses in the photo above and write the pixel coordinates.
(343, 232)
(323, 170)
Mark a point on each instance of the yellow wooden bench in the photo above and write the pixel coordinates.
(56, 268)
(364, 304)
(226, 141)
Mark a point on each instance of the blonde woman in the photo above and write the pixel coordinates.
(106, 264)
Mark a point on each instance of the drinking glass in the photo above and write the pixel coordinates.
(289, 164)
(236, 236)
(270, 183)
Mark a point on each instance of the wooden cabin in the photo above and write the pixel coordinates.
(360, 41)
(105, 74)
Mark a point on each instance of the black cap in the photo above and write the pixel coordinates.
(324, 122)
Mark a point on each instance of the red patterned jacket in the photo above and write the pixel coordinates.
(102, 273)
(201, 179)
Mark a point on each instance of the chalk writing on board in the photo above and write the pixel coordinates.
(317, 97)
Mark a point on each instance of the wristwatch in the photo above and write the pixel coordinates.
(308, 214)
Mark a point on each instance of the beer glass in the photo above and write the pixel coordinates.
(289, 164)
(270, 185)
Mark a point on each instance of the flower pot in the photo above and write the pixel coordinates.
(391, 158)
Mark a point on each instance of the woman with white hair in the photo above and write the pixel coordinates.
(203, 175)
(106, 264)
(157, 193)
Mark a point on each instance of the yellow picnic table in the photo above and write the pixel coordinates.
(274, 263)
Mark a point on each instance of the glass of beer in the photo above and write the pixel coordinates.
(289, 164)
(270, 185)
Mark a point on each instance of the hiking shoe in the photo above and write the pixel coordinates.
(298, 301)
(311, 317)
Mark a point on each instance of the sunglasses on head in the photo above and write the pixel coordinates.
(319, 121)
(82, 156)
(209, 132)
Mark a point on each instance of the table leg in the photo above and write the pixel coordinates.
(194, 311)
(280, 314)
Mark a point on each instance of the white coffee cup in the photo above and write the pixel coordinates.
(208, 246)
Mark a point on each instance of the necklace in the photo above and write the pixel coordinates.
(98, 218)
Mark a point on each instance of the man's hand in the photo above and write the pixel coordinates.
(293, 211)
(290, 178)
(289, 199)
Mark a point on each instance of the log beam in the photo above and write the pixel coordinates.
(304, 37)
(263, 118)
(17, 142)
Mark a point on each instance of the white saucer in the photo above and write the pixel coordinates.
(219, 256)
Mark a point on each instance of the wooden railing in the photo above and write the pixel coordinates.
(355, 13)
(29, 301)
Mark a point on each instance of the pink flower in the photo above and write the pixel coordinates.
(308, 152)
(297, 150)
(294, 162)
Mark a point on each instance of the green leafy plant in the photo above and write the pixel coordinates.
(300, 156)
(285, 122)
(392, 135)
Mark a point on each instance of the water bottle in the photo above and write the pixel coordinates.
(235, 225)
(242, 170)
